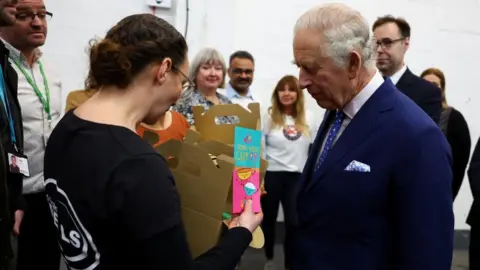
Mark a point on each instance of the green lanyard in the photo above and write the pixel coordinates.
(45, 102)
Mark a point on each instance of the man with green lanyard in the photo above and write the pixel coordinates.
(39, 95)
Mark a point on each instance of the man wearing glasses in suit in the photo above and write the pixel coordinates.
(392, 42)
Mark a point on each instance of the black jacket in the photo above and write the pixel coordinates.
(425, 94)
(10, 184)
(473, 218)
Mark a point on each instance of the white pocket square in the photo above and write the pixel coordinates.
(357, 166)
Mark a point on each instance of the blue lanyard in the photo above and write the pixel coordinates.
(6, 105)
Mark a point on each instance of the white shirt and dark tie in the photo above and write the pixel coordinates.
(345, 116)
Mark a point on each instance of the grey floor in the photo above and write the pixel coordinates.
(254, 260)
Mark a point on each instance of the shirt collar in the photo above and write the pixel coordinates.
(16, 55)
(232, 93)
(396, 77)
(361, 98)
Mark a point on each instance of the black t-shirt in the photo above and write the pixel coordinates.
(114, 202)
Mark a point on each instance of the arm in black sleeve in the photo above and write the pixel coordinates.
(146, 202)
(169, 250)
(474, 171)
(21, 203)
(458, 136)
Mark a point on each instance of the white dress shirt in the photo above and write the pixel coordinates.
(236, 98)
(354, 106)
(286, 148)
(396, 77)
(36, 126)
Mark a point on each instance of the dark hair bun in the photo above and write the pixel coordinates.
(110, 64)
(131, 45)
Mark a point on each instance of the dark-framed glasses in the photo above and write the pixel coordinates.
(30, 16)
(386, 43)
(188, 84)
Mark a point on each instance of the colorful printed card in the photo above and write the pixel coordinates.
(246, 174)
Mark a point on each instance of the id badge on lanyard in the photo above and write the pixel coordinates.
(17, 162)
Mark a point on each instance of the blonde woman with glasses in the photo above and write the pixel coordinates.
(207, 74)
(288, 131)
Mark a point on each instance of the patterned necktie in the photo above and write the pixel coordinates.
(332, 134)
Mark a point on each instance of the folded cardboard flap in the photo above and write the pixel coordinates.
(202, 231)
(196, 176)
(203, 189)
(205, 120)
(192, 136)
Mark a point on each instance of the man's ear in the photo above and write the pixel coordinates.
(229, 72)
(354, 64)
(407, 43)
(162, 70)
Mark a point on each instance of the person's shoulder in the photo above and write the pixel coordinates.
(78, 93)
(131, 143)
(115, 140)
(425, 85)
(412, 124)
(223, 98)
(457, 121)
(178, 117)
(222, 91)
(407, 116)
(456, 114)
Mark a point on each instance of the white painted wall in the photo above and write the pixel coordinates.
(444, 34)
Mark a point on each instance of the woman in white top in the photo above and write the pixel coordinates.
(288, 131)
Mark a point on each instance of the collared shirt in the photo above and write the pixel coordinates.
(354, 106)
(194, 98)
(396, 77)
(236, 98)
(36, 126)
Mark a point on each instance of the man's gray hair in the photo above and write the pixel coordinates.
(344, 29)
(207, 56)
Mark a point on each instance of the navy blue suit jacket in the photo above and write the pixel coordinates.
(397, 216)
(425, 94)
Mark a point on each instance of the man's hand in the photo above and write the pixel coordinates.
(18, 222)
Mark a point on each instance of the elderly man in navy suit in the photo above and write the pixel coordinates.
(375, 193)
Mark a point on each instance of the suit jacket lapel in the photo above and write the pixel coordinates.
(405, 80)
(315, 151)
(364, 122)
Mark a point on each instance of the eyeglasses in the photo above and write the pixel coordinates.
(188, 84)
(386, 43)
(30, 16)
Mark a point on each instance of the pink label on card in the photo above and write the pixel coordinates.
(246, 174)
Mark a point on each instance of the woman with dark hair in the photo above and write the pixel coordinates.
(288, 131)
(112, 197)
(455, 128)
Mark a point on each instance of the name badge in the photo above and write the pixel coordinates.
(18, 163)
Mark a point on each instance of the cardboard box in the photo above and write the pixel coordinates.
(206, 126)
(203, 167)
